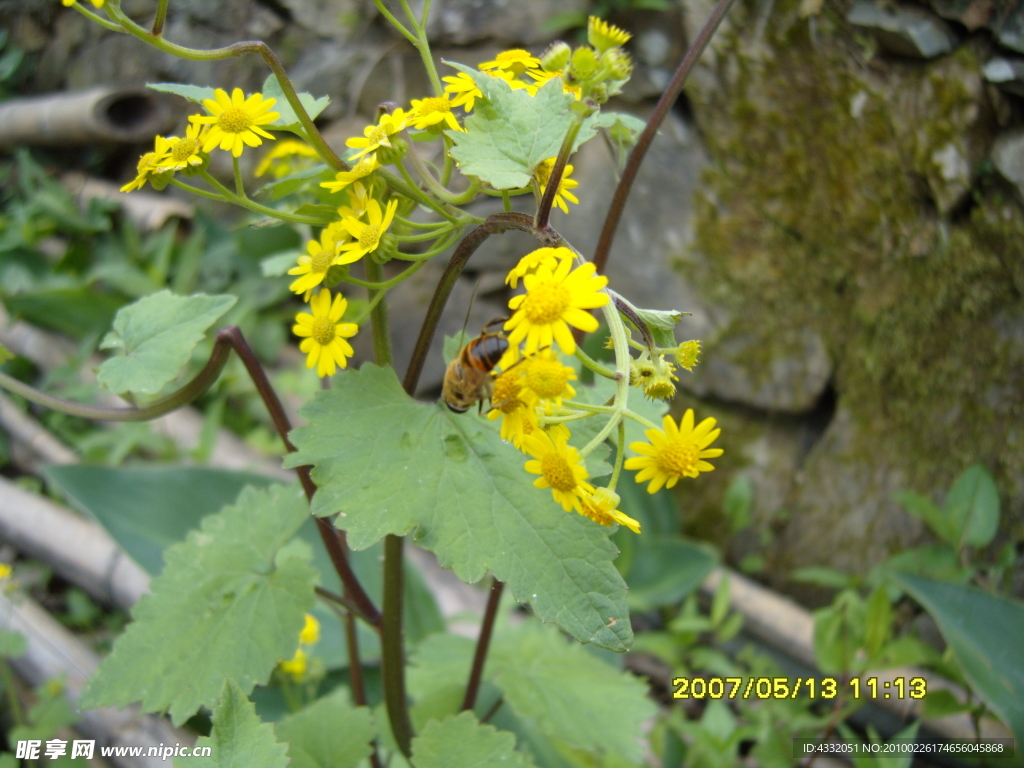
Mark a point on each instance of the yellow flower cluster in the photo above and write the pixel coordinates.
(297, 667)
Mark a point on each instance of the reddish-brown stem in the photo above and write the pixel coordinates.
(476, 673)
(668, 98)
(334, 540)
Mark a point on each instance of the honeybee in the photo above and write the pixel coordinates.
(468, 379)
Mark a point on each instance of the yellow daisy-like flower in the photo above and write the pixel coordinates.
(514, 406)
(603, 35)
(600, 506)
(185, 151)
(287, 157)
(542, 77)
(376, 136)
(310, 633)
(659, 384)
(531, 261)
(516, 61)
(543, 172)
(462, 88)
(367, 235)
(431, 111)
(235, 121)
(554, 300)
(560, 468)
(686, 354)
(674, 452)
(295, 667)
(313, 266)
(323, 336)
(5, 571)
(367, 165)
(358, 202)
(546, 377)
(149, 165)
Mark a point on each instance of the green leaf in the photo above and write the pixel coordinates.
(983, 631)
(5, 354)
(664, 570)
(156, 335)
(288, 120)
(739, 500)
(194, 93)
(225, 606)
(462, 742)
(569, 693)
(511, 133)
(292, 183)
(839, 632)
(143, 508)
(923, 509)
(878, 620)
(238, 739)
(330, 733)
(13, 645)
(942, 703)
(394, 465)
(662, 324)
(76, 312)
(972, 507)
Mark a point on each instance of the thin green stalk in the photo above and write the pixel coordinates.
(12, 693)
(245, 202)
(421, 237)
(622, 363)
(443, 245)
(620, 457)
(200, 192)
(161, 16)
(239, 185)
(395, 22)
(379, 315)
(506, 200)
(593, 365)
(425, 175)
(105, 23)
(378, 296)
(555, 177)
(387, 283)
(422, 224)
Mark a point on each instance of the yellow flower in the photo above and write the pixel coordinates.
(358, 202)
(185, 151)
(555, 300)
(367, 165)
(149, 165)
(286, 158)
(310, 633)
(323, 336)
(377, 136)
(514, 406)
(96, 3)
(543, 172)
(5, 571)
(600, 506)
(235, 122)
(516, 61)
(463, 88)
(367, 236)
(674, 452)
(542, 77)
(313, 266)
(603, 35)
(659, 384)
(546, 377)
(296, 666)
(529, 263)
(560, 468)
(686, 354)
(431, 111)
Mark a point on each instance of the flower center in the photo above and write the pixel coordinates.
(435, 104)
(379, 136)
(321, 261)
(514, 55)
(557, 472)
(547, 377)
(184, 149)
(323, 330)
(506, 393)
(595, 513)
(147, 163)
(546, 302)
(234, 120)
(680, 458)
(369, 237)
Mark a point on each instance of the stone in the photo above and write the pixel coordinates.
(1006, 73)
(1010, 30)
(1008, 158)
(514, 24)
(325, 18)
(973, 14)
(906, 30)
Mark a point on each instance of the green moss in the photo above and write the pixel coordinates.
(820, 211)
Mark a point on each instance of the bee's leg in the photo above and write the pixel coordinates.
(496, 320)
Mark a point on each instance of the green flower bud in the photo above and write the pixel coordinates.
(391, 155)
(386, 249)
(583, 65)
(335, 274)
(616, 64)
(556, 56)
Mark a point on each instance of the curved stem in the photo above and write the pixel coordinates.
(200, 192)
(161, 16)
(239, 185)
(555, 177)
(476, 672)
(387, 283)
(668, 98)
(245, 202)
(105, 23)
(620, 457)
(593, 365)
(444, 243)
(422, 224)
(395, 22)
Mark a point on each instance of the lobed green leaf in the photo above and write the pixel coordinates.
(229, 603)
(287, 119)
(238, 739)
(393, 465)
(156, 336)
(462, 742)
(196, 93)
(330, 733)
